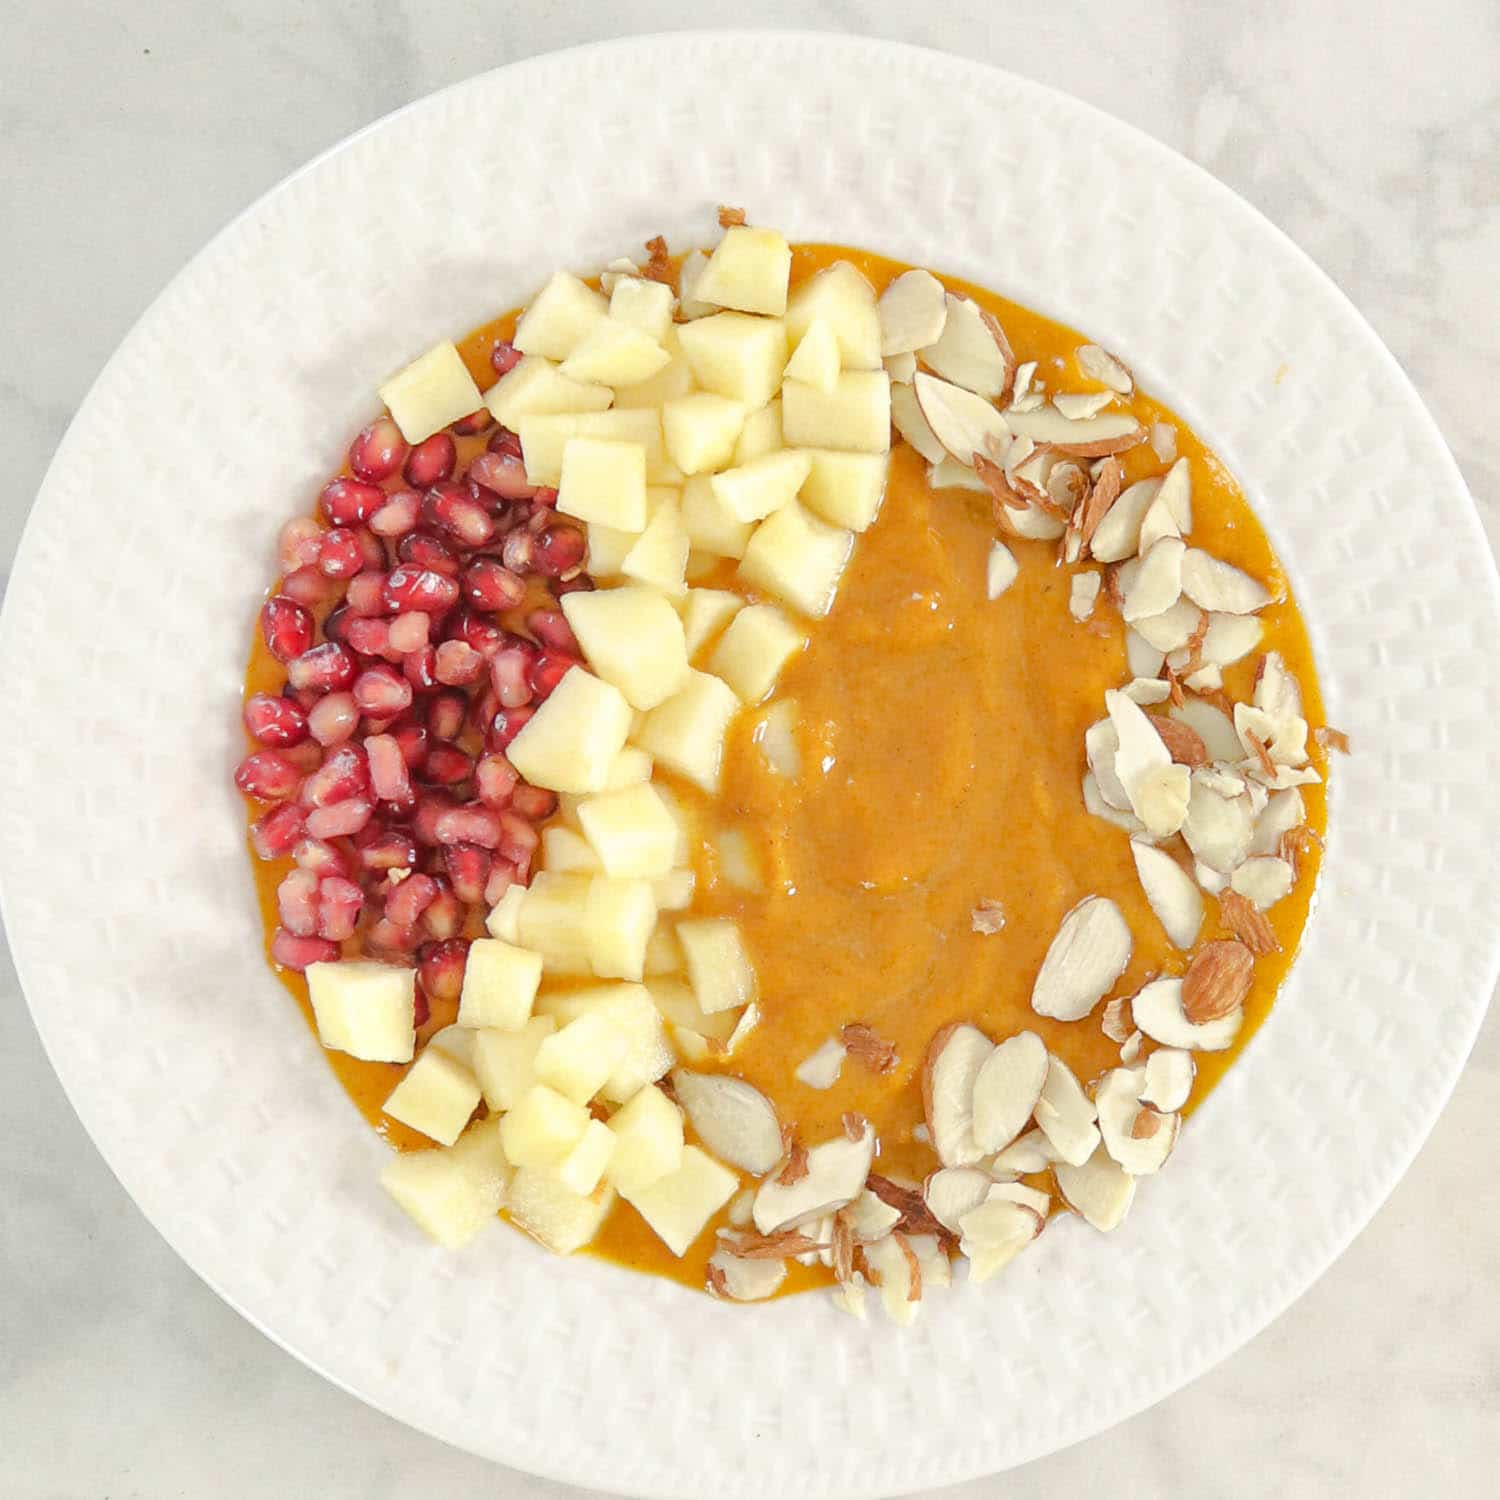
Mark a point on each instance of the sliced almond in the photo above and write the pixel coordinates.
(1217, 981)
(932, 1260)
(1158, 1011)
(1137, 1136)
(1160, 798)
(1219, 586)
(1169, 1078)
(900, 367)
(1088, 954)
(1263, 880)
(1158, 584)
(912, 310)
(868, 1048)
(1247, 924)
(1032, 1152)
(1217, 828)
(1143, 659)
(1170, 890)
(1177, 495)
(1096, 806)
(1174, 628)
(1100, 1191)
(950, 474)
(987, 918)
(1078, 407)
(836, 1171)
(1018, 1192)
(1097, 504)
(739, 1280)
(1116, 1023)
(1083, 594)
(1159, 523)
(1101, 747)
(1283, 812)
(951, 1192)
(1006, 1089)
(1228, 639)
(1141, 748)
(1212, 726)
(994, 1233)
(1163, 440)
(821, 1069)
(906, 1198)
(1099, 364)
(870, 1217)
(1184, 743)
(894, 1269)
(1000, 570)
(954, 1059)
(1119, 533)
(1130, 1050)
(1277, 691)
(1109, 432)
(734, 1120)
(1065, 1114)
(906, 416)
(972, 350)
(965, 424)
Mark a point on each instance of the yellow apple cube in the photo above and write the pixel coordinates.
(845, 489)
(748, 270)
(764, 485)
(647, 1131)
(631, 831)
(503, 921)
(565, 852)
(679, 1205)
(659, 556)
(430, 393)
(798, 558)
(621, 918)
(437, 1097)
(630, 1010)
(545, 435)
(718, 967)
(558, 317)
(674, 892)
(532, 386)
(674, 379)
(758, 644)
(664, 952)
(615, 353)
(644, 305)
(816, 357)
(553, 1214)
(454, 1192)
(854, 417)
(760, 435)
(505, 1061)
(687, 278)
(571, 741)
(686, 733)
(500, 984)
(581, 1169)
(842, 298)
(543, 1125)
(679, 1007)
(553, 921)
(365, 1009)
(578, 1057)
(736, 356)
(631, 767)
(700, 431)
(633, 639)
(604, 481)
(705, 613)
(710, 526)
(608, 549)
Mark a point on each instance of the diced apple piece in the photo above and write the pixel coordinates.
(454, 1192)
(648, 1140)
(843, 299)
(708, 522)
(582, 1168)
(553, 1214)
(608, 548)
(629, 1008)
(845, 488)
(688, 832)
(544, 436)
(736, 356)
(533, 387)
(679, 1006)
(700, 431)
(705, 613)
(553, 921)
(616, 353)
(674, 379)
(500, 984)
(758, 644)
(686, 733)
(571, 741)
(679, 1205)
(430, 393)
(687, 278)
(659, 556)
(631, 767)
(765, 484)
(504, 918)
(854, 417)
(776, 734)
(816, 359)
(748, 271)
(365, 1009)
(760, 435)
(633, 639)
(437, 1096)
(737, 860)
(604, 481)
(718, 966)
(505, 1061)
(565, 852)
(699, 566)
(664, 952)
(621, 918)
(577, 1058)
(646, 305)
(543, 1125)
(798, 558)
(631, 831)
(558, 317)
(673, 892)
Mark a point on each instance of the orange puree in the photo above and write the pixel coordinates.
(941, 738)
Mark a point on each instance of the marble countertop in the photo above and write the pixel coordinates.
(1370, 132)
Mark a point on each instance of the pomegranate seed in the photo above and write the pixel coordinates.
(446, 714)
(579, 583)
(483, 635)
(339, 819)
(468, 868)
(559, 549)
(334, 623)
(410, 899)
(488, 584)
(505, 726)
(273, 720)
(534, 802)
(431, 461)
(447, 767)
(504, 357)
(286, 627)
(503, 440)
(379, 690)
(409, 632)
(504, 474)
(518, 551)
(307, 756)
(294, 952)
(548, 670)
(389, 779)
(482, 709)
(342, 777)
(440, 969)
(444, 915)
(277, 833)
(368, 637)
(457, 664)
(412, 739)
(546, 496)
(378, 451)
(421, 1011)
(398, 515)
(371, 548)
(339, 556)
(328, 668)
(424, 550)
(430, 807)
(333, 719)
(510, 672)
(451, 509)
(319, 857)
(366, 595)
(391, 937)
(473, 424)
(350, 502)
(384, 849)
(299, 543)
(551, 628)
(415, 587)
(473, 823)
(267, 775)
(495, 781)
(339, 904)
(503, 875)
(518, 839)
(420, 669)
(297, 903)
(309, 586)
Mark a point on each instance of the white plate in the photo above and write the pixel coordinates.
(126, 884)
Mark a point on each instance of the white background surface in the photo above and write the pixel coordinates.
(1372, 136)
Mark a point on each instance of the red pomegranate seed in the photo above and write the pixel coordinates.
(277, 833)
(339, 819)
(551, 628)
(286, 627)
(518, 551)
(505, 726)
(413, 740)
(468, 868)
(444, 916)
(267, 775)
(503, 474)
(371, 549)
(398, 515)
(342, 776)
(535, 803)
(430, 807)
(299, 543)
(431, 461)
(339, 904)
(297, 903)
(350, 502)
(320, 858)
(473, 424)
(495, 781)
(503, 875)
(446, 714)
(483, 635)
(381, 849)
(409, 632)
(366, 595)
(510, 672)
(559, 549)
(447, 766)
(488, 584)
(390, 937)
(276, 721)
(378, 451)
(367, 636)
(424, 550)
(335, 621)
(546, 496)
(328, 668)
(389, 778)
(440, 969)
(333, 719)
(408, 900)
(449, 508)
(294, 952)
(457, 664)
(548, 670)
(474, 823)
(412, 587)
(380, 690)
(503, 440)
(518, 839)
(307, 756)
(504, 357)
(420, 669)
(339, 556)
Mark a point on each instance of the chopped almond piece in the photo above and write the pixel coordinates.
(1183, 742)
(1332, 739)
(1217, 981)
(729, 217)
(1246, 923)
(659, 267)
(862, 1044)
(988, 918)
(776, 1246)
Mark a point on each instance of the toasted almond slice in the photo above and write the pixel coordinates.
(1211, 725)
(1032, 1152)
(1000, 570)
(1130, 1050)
(1109, 432)
(1118, 534)
(932, 1260)
(1163, 440)
(1018, 1192)
(1006, 1089)
(1096, 806)
(1277, 691)
(912, 310)
(1099, 364)
(1217, 828)
(1173, 628)
(1116, 1023)
(821, 1069)
(1263, 879)
(1141, 657)
(1158, 584)
(1065, 1114)
(972, 350)
(1228, 639)
(954, 1059)
(900, 367)
(1177, 494)
(906, 1198)
(1169, 1078)
(1099, 1190)
(734, 1120)
(737, 1279)
(1101, 746)
(987, 918)
(1283, 812)
(1078, 407)
(1088, 954)
(870, 1217)
(1219, 586)
(836, 1172)
(1184, 743)
(906, 416)
(994, 1233)
(951, 1192)
(1139, 1137)
(965, 424)
(1084, 594)
(1148, 692)
(1141, 747)
(1158, 524)
(1171, 892)
(895, 1270)
(1159, 1012)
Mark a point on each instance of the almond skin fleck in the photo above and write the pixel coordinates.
(1183, 742)
(1217, 981)
(729, 217)
(862, 1044)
